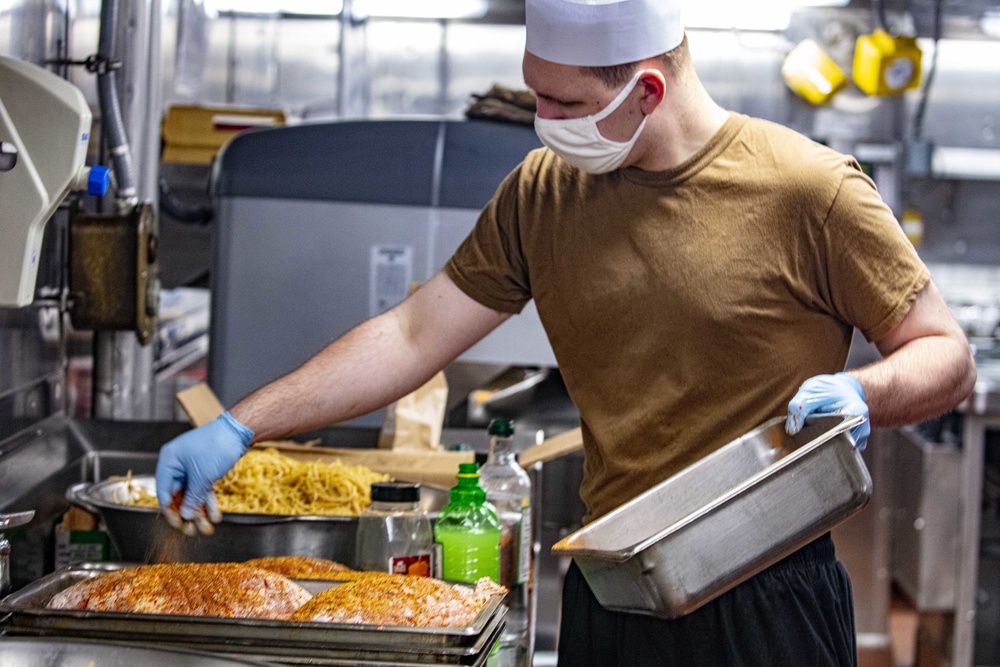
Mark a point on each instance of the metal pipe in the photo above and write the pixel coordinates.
(142, 106)
(106, 394)
(346, 14)
(111, 113)
(231, 60)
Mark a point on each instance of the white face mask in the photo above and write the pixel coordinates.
(581, 144)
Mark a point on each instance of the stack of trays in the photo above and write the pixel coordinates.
(285, 642)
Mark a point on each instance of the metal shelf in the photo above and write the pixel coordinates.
(176, 360)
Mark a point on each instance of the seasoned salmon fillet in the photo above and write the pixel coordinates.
(399, 599)
(192, 589)
(304, 567)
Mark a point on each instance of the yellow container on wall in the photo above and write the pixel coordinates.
(886, 65)
(913, 226)
(812, 74)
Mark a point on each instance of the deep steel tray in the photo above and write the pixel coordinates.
(720, 521)
(347, 656)
(298, 655)
(28, 615)
(56, 652)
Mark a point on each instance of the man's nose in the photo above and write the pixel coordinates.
(545, 109)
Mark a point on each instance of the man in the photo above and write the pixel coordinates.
(692, 268)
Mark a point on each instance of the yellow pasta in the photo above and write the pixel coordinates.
(268, 482)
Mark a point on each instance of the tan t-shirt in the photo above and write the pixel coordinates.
(685, 307)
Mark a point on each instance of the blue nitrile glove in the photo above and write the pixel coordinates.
(838, 394)
(192, 463)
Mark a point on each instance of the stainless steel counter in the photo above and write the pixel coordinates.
(982, 415)
(36, 470)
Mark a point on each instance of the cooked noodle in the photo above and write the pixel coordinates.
(268, 482)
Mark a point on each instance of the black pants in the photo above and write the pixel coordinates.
(797, 613)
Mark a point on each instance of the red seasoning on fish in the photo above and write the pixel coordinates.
(230, 590)
(400, 600)
(304, 567)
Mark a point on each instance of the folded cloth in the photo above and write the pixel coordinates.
(503, 104)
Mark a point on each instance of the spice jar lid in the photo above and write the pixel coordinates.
(395, 492)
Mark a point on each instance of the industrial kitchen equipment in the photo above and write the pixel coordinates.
(351, 214)
(44, 130)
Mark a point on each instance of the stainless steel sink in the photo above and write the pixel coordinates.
(37, 467)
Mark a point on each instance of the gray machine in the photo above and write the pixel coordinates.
(323, 226)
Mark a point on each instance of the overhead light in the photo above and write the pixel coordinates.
(774, 15)
(966, 163)
(313, 7)
(272, 7)
(990, 23)
(422, 9)
(736, 15)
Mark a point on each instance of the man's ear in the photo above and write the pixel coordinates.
(653, 86)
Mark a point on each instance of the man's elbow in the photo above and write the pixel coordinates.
(965, 372)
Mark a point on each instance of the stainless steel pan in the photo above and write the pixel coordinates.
(720, 521)
(138, 531)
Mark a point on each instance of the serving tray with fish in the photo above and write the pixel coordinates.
(29, 613)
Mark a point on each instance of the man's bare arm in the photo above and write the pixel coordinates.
(374, 364)
(927, 367)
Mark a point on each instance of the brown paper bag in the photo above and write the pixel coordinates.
(414, 422)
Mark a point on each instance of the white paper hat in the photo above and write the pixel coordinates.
(599, 33)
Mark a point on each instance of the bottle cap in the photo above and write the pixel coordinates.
(395, 492)
(468, 469)
(501, 427)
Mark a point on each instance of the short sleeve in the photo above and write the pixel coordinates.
(489, 266)
(873, 273)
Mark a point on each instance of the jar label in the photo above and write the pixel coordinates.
(524, 551)
(419, 565)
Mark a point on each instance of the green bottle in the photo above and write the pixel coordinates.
(468, 530)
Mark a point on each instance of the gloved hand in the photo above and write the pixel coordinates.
(191, 464)
(838, 394)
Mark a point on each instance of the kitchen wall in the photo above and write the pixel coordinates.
(406, 68)
(397, 67)
(427, 67)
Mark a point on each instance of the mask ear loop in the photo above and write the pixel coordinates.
(622, 96)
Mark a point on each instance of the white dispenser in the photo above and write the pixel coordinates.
(44, 131)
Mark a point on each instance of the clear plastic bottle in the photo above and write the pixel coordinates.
(508, 487)
(468, 530)
(394, 534)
